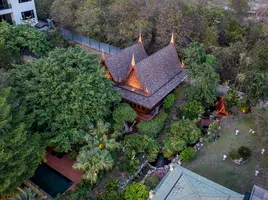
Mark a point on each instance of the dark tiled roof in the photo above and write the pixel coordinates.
(150, 101)
(119, 63)
(159, 68)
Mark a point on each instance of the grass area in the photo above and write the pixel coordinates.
(239, 178)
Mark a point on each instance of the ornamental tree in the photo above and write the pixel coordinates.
(20, 152)
(200, 67)
(124, 115)
(180, 134)
(63, 93)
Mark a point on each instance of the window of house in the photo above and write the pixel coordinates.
(27, 15)
(22, 1)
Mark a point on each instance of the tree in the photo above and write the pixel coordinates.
(27, 194)
(87, 15)
(15, 38)
(20, 151)
(95, 155)
(63, 12)
(191, 110)
(200, 67)
(241, 7)
(63, 93)
(179, 136)
(136, 191)
(123, 115)
(43, 8)
(153, 127)
(91, 162)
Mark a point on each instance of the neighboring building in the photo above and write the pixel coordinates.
(182, 184)
(259, 193)
(144, 81)
(18, 10)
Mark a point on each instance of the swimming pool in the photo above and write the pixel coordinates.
(51, 181)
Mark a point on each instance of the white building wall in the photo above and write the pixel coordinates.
(18, 8)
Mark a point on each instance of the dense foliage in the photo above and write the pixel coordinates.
(188, 154)
(136, 191)
(142, 144)
(203, 78)
(14, 39)
(123, 114)
(180, 135)
(63, 94)
(191, 110)
(169, 102)
(154, 127)
(111, 192)
(20, 151)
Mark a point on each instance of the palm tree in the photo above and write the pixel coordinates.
(92, 161)
(27, 194)
(98, 137)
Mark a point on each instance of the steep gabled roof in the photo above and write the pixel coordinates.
(182, 184)
(158, 69)
(119, 63)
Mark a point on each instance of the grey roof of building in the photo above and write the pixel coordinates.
(182, 184)
(120, 63)
(158, 69)
(150, 101)
(259, 193)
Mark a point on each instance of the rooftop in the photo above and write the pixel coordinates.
(259, 193)
(182, 184)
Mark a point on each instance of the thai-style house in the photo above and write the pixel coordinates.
(144, 81)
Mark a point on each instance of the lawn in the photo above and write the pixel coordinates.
(239, 178)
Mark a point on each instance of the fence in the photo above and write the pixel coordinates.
(107, 48)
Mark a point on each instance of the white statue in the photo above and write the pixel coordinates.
(262, 151)
(179, 162)
(151, 194)
(224, 157)
(236, 132)
(256, 173)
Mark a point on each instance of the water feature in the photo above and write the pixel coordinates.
(161, 161)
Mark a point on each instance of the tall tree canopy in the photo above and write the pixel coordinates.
(15, 38)
(204, 80)
(63, 94)
(20, 151)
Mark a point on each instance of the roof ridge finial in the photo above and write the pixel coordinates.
(172, 39)
(133, 61)
(102, 55)
(140, 38)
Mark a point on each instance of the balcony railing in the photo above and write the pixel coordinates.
(6, 6)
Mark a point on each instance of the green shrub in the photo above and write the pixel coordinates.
(111, 192)
(191, 110)
(142, 144)
(231, 97)
(153, 127)
(136, 191)
(169, 102)
(129, 163)
(179, 136)
(152, 181)
(188, 154)
(244, 152)
(234, 154)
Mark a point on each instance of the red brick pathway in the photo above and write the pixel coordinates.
(64, 166)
